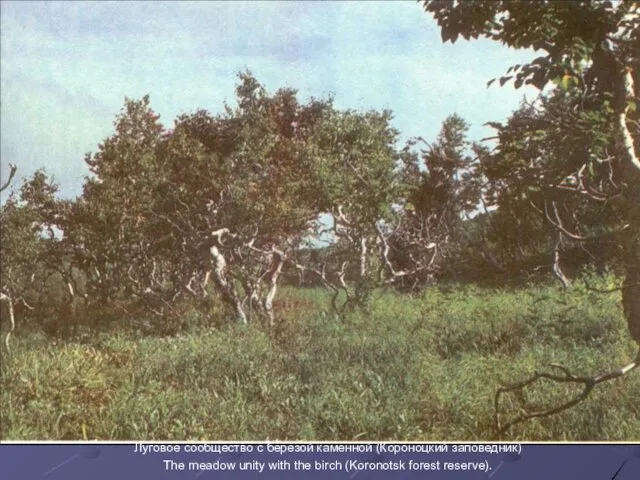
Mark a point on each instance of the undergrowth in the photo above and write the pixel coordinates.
(413, 368)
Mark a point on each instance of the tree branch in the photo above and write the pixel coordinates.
(12, 172)
(323, 279)
(558, 225)
(565, 377)
(625, 137)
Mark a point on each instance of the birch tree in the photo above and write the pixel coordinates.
(591, 47)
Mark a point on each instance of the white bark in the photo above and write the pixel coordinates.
(341, 275)
(189, 285)
(403, 273)
(274, 272)
(363, 257)
(12, 318)
(227, 289)
(631, 290)
(556, 249)
(625, 138)
(323, 278)
(556, 262)
(204, 284)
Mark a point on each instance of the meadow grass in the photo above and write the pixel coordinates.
(413, 368)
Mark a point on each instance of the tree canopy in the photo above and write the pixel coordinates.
(572, 155)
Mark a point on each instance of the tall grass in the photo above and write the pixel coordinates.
(413, 368)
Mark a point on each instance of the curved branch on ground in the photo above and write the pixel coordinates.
(564, 377)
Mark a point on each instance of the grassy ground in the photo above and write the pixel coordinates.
(415, 368)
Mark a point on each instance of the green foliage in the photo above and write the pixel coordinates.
(444, 185)
(233, 197)
(30, 247)
(560, 161)
(448, 186)
(141, 231)
(577, 37)
(356, 163)
(552, 157)
(422, 368)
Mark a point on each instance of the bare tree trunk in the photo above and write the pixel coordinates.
(624, 99)
(276, 268)
(227, 288)
(12, 318)
(363, 258)
(627, 148)
(557, 270)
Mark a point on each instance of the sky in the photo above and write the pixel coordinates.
(66, 68)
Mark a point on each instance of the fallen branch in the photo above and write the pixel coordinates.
(564, 377)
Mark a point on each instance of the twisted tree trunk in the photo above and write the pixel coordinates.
(274, 272)
(226, 287)
(624, 99)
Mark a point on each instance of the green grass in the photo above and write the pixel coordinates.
(414, 368)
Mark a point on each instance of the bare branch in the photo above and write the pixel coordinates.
(189, 285)
(219, 233)
(565, 377)
(558, 225)
(328, 284)
(341, 275)
(357, 172)
(24, 303)
(403, 273)
(583, 191)
(12, 172)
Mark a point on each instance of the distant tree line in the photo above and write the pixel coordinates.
(229, 205)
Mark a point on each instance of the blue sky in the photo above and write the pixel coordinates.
(66, 68)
